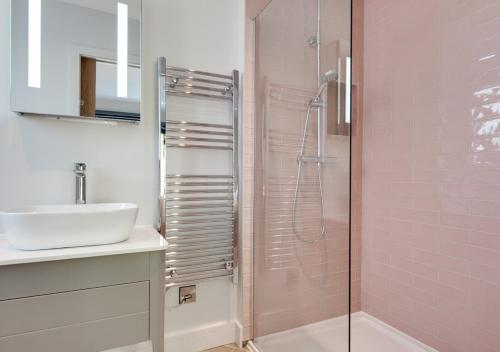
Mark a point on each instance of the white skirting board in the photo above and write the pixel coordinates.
(203, 337)
(239, 334)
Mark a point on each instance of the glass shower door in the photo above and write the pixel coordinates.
(302, 176)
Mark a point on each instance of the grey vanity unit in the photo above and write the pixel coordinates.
(83, 299)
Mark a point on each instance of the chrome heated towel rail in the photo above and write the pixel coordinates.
(198, 212)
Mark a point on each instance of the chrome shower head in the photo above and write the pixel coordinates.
(329, 76)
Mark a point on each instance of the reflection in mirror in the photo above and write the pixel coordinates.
(76, 58)
(98, 87)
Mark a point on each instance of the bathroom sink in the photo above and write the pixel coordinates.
(58, 226)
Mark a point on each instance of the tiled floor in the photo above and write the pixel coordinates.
(227, 348)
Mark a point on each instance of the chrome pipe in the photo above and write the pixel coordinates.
(191, 183)
(175, 79)
(195, 229)
(199, 124)
(198, 176)
(180, 226)
(196, 199)
(191, 131)
(180, 248)
(196, 191)
(195, 87)
(189, 235)
(201, 221)
(197, 268)
(196, 139)
(188, 93)
(199, 253)
(201, 274)
(182, 239)
(183, 247)
(194, 146)
(197, 214)
(197, 206)
(197, 72)
(207, 259)
(236, 163)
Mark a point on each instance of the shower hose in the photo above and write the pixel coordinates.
(300, 161)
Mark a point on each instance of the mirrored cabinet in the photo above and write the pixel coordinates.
(76, 58)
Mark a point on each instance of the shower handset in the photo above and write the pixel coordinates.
(315, 102)
(319, 159)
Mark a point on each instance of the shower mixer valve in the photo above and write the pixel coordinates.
(315, 159)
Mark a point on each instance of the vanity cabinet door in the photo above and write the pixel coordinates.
(86, 320)
(69, 308)
(95, 336)
(26, 280)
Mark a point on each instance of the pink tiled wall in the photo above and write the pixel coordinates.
(254, 7)
(431, 170)
(248, 133)
(356, 151)
(287, 270)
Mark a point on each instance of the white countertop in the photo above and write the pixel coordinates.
(142, 239)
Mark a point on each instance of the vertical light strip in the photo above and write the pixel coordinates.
(339, 90)
(34, 43)
(348, 87)
(122, 51)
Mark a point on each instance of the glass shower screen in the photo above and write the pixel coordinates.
(303, 94)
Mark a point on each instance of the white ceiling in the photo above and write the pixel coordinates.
(134, 6)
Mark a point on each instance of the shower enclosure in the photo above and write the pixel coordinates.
(430, 182)
(303, 93)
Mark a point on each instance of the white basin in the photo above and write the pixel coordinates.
(58, 226)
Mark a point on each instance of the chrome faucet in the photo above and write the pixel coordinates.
(81, 183)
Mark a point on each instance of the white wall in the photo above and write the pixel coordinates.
(204, 35)
(37, 155)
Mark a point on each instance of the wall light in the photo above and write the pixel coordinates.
(348, 87)
(122, 51)
(34, 43)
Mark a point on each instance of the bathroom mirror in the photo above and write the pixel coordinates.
(76, 58)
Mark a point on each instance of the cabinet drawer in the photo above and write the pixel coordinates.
(87, 337)
(25, 280)
(31, 314)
